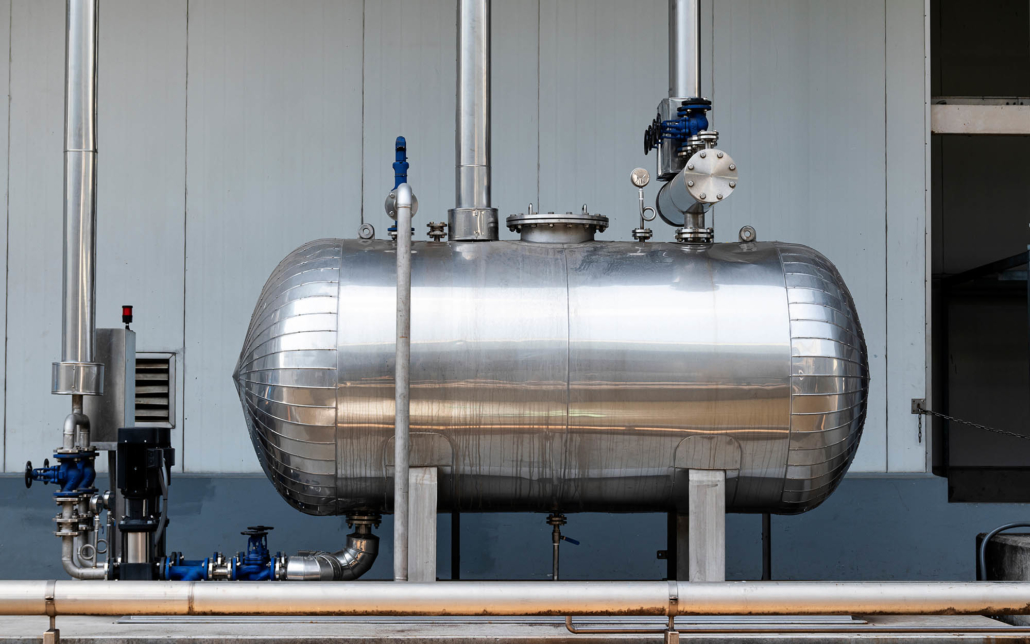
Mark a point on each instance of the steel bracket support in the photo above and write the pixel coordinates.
(706, 546)
(53, 634)
(422, 505)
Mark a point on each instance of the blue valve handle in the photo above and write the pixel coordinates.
(570, 540)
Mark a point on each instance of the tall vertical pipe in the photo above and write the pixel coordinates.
(77, 374)
(684, 48)
(401, 385)
(473, 219)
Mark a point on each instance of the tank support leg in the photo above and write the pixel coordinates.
(422, 498)
(679, 546)
(455, 544)
(707, 531)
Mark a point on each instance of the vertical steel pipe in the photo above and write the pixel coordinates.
(77, 373)
(684, 48)
(401, 385)
(473, 219)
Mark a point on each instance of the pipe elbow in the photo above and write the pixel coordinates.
(75, 420)
(79, 572)
(405, 196)
(83, 573)
(345, 565)
(357, 558)
(70, 567)
(72, 422)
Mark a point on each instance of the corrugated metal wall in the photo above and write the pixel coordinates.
(232, 131)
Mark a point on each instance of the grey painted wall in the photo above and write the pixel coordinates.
(873, 528)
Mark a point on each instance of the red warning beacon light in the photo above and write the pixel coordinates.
(126, 315)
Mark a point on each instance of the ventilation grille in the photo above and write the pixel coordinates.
(155, 390)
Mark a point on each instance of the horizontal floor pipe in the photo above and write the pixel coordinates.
(515, 598)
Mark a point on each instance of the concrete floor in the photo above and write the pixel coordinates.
(266, 630)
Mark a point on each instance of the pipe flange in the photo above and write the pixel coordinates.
(561, 228)
(710, 176)
(642, 234)
(391, 205)
(709, 139)
(695, 235)
(67, 527)
(437, 230)
(219, 569)
(279, 567)
(363, 520)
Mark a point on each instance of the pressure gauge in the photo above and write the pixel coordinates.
(640, 177)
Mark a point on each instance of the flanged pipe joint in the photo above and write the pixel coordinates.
(709, 177)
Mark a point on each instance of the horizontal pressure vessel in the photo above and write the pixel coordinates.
(558, 377)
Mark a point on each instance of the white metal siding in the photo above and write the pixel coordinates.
(232, 131)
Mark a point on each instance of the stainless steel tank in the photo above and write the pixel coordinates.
(558, 377)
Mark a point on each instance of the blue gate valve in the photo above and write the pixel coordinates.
(176, 568)
(75, 473)
(255, 564)
(691, 119)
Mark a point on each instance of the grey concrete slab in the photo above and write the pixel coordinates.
(243, 630)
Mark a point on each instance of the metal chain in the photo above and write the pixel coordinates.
(985, 428)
